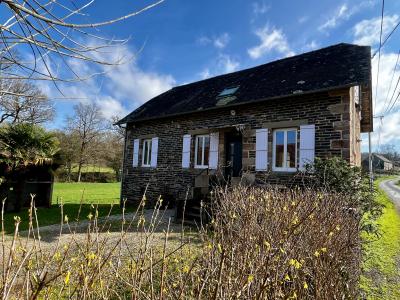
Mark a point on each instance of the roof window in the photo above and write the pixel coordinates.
(228, 91)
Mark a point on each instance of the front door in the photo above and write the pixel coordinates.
(233, 150)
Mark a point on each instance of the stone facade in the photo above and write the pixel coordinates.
(337, 130)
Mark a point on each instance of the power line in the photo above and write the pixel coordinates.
(391, 81)
(386, 39)
(391, 98)
(394, 103)
(379, 134)
(379, 55)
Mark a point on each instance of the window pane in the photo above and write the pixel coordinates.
(199, 150)
(145, 152)
(291, 149)
(149, 156)
(279, 149)
(206, 149)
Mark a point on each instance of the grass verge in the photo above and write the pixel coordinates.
(381, 261)
(102, 194)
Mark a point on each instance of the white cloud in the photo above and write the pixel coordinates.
(130, 82)
(311, 46)
(260, 8)
(303, 19)
(221, 65)
(367, 32)
(388, 133)
(343, 13)
(385, 87)
(271, 39)
(111, 107)
(228, 64)
(206, 73)
(219, 42)
(203, 41)
(117, 89)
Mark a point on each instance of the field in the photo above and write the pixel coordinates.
(101, 195)
(92, 168)
(93, 193)
(381, 278)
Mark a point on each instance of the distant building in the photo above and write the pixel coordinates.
(379, 163)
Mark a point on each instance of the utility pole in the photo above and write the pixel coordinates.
(371, 171)
(371, 174)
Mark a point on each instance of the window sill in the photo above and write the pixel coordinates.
(278, 170)
(201, 167)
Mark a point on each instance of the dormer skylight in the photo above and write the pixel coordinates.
(228, 91)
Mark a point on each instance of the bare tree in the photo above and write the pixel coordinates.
(27, 104)
(87, 124)
(69, 150)
(112, 151)
(390, 151)
(54, 34)
(118, 130)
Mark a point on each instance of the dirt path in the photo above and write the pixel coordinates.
(49, 232)
(77, 232)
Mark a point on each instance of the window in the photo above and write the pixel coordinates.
(202, 151)
(356, 94)
(228, 91)
(146, 155)
(285, 150)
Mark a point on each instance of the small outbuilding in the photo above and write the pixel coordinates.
(379, 163)
(33, 180)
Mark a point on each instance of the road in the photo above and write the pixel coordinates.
(392, 190)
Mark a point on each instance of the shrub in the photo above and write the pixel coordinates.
(261, 243)
(336, 175)
(273, 244)
(102, 177)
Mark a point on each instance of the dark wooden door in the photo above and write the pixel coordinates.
(233, 150)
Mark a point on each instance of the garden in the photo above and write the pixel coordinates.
(267, 243)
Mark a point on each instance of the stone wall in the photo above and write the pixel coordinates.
(330, 112)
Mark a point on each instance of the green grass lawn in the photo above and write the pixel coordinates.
(70, 194)
(381, 278)
(97, 193)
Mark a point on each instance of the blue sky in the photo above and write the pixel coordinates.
(183, 41)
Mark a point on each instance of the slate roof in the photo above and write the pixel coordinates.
(365, 157)
(383, 158)
(332, 67)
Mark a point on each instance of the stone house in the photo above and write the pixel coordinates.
(262, 124)
(379, 163)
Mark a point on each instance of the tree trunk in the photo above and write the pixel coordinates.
(80, 163)
(69, 171)
(79, 171)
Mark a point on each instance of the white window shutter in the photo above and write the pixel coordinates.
(186, 151)
(135, 162)
(213, 158)
(262, 149)
(307, 145)
(154, 152)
